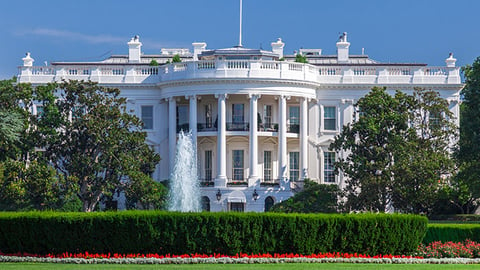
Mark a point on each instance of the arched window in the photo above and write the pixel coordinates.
(268, 203)
(205, 204)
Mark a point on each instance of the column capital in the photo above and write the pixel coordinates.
(171, 99)
(221, 96)
(254, 96)
(287, 97)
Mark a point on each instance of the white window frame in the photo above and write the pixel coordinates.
(148, 118)
(322, 117)
(323, 168)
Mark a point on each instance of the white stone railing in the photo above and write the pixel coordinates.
(388, 74)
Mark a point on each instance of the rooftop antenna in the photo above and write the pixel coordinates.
(240, 32)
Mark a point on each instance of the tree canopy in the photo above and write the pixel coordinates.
(397, 151)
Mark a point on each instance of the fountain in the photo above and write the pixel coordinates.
(184, 195)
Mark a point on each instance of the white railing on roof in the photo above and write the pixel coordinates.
(330, 74)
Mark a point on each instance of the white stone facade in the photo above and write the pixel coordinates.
(261, 125)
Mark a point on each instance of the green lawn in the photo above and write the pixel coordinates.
(294, 266)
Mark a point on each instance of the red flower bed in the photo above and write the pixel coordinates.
(88, 255)
(468, 249)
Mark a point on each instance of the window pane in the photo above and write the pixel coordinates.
(294, 114)
(328, 167)
(182, 118)
(237, 113)
(294, 166)
(208, 165)
(267, 165)
(147, 117)
(329, 118)
(267, 115)
(238, 165)
(208, 115)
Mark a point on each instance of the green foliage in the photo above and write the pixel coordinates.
(314, 198)
(36, 186)
(153, 63)
(468, 153)
(176, 59)
(452, 232)
(144, 193)
(301, 58)
(91, 139)
(396, 155)
(224, 233)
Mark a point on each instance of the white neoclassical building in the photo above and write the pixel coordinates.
(262, 122)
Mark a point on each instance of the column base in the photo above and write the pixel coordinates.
(220, 182)
(253, 181)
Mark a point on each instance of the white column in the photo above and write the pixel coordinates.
(221, 179)
(172, 130)
(253, 177)
(193, 117)
(282, 141)
(303, 138)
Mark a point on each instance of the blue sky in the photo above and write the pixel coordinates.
(390, 31)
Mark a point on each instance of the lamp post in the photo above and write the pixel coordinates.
(255, 195)
(219, 195)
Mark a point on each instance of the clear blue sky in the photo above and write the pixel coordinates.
(390, 31)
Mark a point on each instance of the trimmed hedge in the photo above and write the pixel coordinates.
(208, 233)
(452, 232)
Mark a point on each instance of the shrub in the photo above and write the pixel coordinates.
(452, 232)
(208, 233)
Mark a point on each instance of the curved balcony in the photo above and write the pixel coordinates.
(145, 74)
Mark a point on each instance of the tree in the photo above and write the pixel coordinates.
(301, 58)
(176, 59)
(314, 198)
(91, 140)
(468, 152)
(397, 151)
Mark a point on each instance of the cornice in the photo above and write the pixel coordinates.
(296, 83)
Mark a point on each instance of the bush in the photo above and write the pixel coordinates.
(208, 233)
(314, 198)
(452, 232)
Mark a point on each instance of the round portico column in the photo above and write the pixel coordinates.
(303, 138)
(282, 141)
(253, 177)
(221, 179)
(172, 130)
(192, 123)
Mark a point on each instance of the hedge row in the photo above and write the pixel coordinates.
(452, 232)
(208, 233)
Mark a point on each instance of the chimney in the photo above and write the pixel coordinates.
(27, 60)
(450, 61)
(198, 48)
(277, 47)
(342, 48)
(134, 49)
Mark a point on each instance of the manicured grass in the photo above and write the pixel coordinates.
(289, 266)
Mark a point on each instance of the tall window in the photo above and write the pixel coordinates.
(182, 118)
(267, 165)
(208, 165)
(238, 113)
(294, 166)
(329, 119)
(208, 116)
(328, 167)
(434, 119)
(267, 115)
(238, 165)
(294, 119)
(147, 117)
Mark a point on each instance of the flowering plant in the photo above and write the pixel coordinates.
(468, 249)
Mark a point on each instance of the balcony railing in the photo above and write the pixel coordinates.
(238, 126)
(237, 183)
(293, 128)
(272, 127)
(184, 127)
(206, 127)
(270, 183)
(345, 74)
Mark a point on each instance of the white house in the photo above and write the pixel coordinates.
(262, 122)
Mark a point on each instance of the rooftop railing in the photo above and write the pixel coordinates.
(143, 73)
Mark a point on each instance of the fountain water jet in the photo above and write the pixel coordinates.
(184, 195)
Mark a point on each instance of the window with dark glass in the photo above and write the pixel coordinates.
(238, 116)
(294, 166)
(328, 167)
(238, 165)
(182, 118)
(147, 117)
(208, 165)
(267, 165)
(208, 116)
(329, 118)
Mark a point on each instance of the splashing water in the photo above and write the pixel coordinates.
(184, 193)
